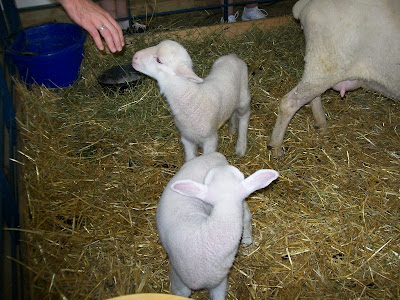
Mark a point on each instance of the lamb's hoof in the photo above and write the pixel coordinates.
(276, 152)
(240, 151)
(246, 240)
(232, 129)
(247, 245)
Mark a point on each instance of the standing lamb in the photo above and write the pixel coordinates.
(201, 218)
(349, 44)
(200, 106)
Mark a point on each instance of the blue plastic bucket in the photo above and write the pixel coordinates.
(50, 54)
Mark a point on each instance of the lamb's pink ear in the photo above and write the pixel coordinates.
(188, 73)
(190, 188)
(258, 180)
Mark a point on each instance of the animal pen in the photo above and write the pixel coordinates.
(93, 163)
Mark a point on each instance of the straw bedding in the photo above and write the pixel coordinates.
(95, 164)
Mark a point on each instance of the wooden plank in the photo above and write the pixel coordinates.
(229, 30)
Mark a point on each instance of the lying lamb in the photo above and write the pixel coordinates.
(200, 106)
(346, 48)
(201, 218)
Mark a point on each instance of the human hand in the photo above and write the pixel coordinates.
(96, 21)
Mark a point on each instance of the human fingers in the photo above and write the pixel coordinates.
(92, 17)
(108, 32)
(118, 35)
(93, 31)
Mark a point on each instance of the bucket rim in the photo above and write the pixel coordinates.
(75, 45)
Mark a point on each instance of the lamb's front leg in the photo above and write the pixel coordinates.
(244, 119)
(247, 237)
(191, 149)
(177, 286)
(219, 292)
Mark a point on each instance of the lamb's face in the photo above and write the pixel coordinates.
(143, 61)
(161, 60)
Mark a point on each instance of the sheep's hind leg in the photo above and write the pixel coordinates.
(219, 292)
(318, 113)
(177, 286)
(288, 107)
(190, 149)
(244, 118)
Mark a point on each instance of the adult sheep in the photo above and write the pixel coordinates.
(349, 44)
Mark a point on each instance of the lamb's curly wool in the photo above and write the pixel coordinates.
(200, 219)
(200, 106)
(349, 44)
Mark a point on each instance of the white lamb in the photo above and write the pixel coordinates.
(201, 218)
(349, 44)
(200, 107)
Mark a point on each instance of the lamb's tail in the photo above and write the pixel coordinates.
(298, 7)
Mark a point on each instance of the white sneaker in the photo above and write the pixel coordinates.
(139, 28)
(124, 24)
(136, 27)
(231, 18)
(253, 13)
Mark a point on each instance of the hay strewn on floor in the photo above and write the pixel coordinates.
(96, 165)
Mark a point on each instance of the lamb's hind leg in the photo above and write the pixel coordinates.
(288, 107)
(243, 115)
(211, 144)
(191, 149)
(233, 123)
